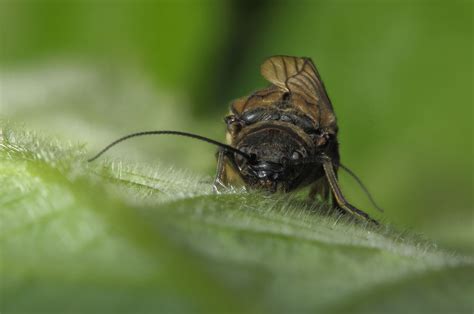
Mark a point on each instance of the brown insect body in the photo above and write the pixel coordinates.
(280, 138)
(289, 129)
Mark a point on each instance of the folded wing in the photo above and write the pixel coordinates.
(300, 78)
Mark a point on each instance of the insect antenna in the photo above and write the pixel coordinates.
(225, 147)
(319, 159)
(361, 184)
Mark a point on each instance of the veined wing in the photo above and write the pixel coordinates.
(300, 78)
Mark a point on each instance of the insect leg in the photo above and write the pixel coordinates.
(339, 198)
(220, 179)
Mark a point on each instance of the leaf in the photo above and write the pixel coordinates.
(117, 237)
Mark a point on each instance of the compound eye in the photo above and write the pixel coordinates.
(234, 125)
(230, 119)
(321, 138)
(296, 155)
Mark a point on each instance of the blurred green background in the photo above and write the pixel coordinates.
(399, 74)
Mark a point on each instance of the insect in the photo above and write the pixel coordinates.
(280, 138)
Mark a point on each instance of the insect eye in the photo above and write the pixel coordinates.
(296, 155)
(320, 138)
(229, 119)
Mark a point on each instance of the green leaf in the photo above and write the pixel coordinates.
(116, 237)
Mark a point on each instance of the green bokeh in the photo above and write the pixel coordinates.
(399, 74)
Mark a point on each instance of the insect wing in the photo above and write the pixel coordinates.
(261, 98)
(300, 78)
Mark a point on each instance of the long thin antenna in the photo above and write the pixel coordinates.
(321, 159)
(359, 181)
(179, 133)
